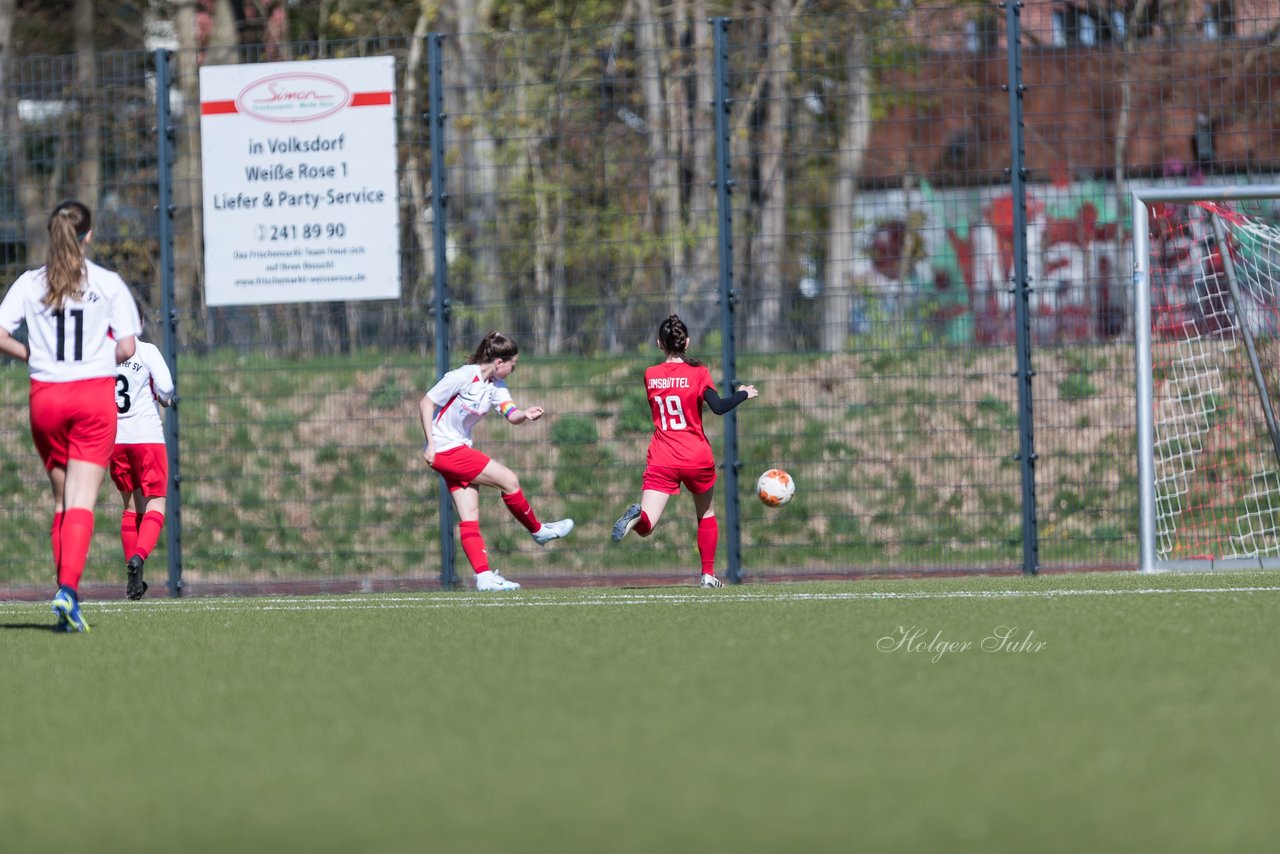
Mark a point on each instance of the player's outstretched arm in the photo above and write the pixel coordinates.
(720, 405)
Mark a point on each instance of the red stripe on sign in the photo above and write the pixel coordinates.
(371, 99)
(214, 108)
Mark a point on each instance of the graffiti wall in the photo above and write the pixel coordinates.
(943, 260)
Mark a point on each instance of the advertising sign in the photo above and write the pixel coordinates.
(300, 200)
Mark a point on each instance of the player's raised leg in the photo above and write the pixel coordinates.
(504, 479)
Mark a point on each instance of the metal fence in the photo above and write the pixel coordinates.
(922, 267)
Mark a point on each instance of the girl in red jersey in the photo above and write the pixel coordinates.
(679, 452)
(449, 411)
(81, 321)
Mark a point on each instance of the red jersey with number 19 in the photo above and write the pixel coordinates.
(675, 400)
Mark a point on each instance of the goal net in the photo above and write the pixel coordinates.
(1207, 288)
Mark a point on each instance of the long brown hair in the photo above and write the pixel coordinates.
(673, 338)
(495, 345)
(64, 269)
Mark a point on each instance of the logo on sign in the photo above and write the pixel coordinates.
(297, 97)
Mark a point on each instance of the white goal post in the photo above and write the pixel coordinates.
(1207, 336)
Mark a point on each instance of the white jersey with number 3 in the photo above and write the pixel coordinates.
(74, 343)
(140, 382)
(463, 398)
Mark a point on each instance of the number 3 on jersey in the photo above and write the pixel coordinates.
(123, 400)
(671, 412)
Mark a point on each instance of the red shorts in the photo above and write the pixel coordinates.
(460, 466)
(144, 467)
(74, 421)
(668, 479)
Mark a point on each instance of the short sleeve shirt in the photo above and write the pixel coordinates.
(675, 393)
(79, 341)
(140, 381)
(463, 397)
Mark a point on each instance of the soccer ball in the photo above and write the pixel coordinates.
(775, 487)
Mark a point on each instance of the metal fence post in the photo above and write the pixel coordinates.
(440, 301)
(728, 298)
(169, 316)
(1022, 293)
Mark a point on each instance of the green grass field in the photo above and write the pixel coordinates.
(1125, 713)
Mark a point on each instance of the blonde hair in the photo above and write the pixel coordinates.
(64, 269)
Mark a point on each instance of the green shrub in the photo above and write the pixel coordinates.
(1076, 387)
(574, 430)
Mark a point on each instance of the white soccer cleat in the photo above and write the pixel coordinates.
(710, 582)
(552, 531)
(490, 580)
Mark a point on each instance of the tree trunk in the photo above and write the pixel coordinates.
(840, 291)
(478, 170)
(770, 242)
(664, 177)
(188, 226)
(548, 274)
(89, 172)
(26, 189)
(699, 313)
(1121, 148)
(223, 37)
(420, 212)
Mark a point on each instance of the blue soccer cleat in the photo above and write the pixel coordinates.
(67, 607)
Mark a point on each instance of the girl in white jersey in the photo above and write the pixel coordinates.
(450, 410)
(140, 462)
(81, 321)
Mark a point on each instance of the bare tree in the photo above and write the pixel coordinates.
(30, 201)
(1121, 145)
(770, 241)
(189, 215)
(89, 171)
(700, 141)
(664, 174)
(549, 250)
(224, 38)
(420, 210)
(479, 162)
(855, 94)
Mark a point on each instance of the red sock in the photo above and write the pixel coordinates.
(128, 533)
(77, 532)
(520, 508)
(148, 533)
(473, 545)
(708, 537)
(643, 526)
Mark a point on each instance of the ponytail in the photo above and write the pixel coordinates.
(64, 270)
(494, 346)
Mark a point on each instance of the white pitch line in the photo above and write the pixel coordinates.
(359, 602)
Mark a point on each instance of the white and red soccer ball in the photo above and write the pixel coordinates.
(775, 487)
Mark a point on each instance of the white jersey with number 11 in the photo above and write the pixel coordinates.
(74, 343)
